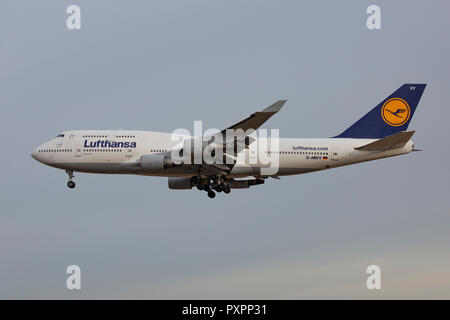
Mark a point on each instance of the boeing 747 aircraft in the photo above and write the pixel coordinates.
(237, 163)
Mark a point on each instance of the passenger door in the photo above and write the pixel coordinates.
(129, 153)
(77, 144)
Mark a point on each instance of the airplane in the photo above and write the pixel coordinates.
(381, 133)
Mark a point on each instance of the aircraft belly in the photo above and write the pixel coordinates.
(292, 171)
(93, 167)
(124, 168)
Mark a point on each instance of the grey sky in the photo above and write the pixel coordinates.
(160, 65)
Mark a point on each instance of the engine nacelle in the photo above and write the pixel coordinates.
(155, 162)
(180, 183)
(239, 184)
(192, 150)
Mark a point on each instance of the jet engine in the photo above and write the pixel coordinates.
(155, 162)
(180, 183)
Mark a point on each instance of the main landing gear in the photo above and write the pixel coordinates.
(218, 184)
(211, 194)
(70, 183)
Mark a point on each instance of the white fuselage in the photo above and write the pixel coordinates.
(110, 151)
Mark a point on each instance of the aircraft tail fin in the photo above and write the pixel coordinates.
(396, 140)
(392, 115)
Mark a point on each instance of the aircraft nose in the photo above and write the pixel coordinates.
(34, 154)
(37, 155)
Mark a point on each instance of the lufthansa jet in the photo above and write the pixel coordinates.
(235, 157)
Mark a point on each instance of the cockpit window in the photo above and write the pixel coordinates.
(61, 135)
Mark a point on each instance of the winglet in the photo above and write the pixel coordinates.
(275, 107)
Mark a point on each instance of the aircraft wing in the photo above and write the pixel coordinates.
(255, 120)
(244, 128)
(240, 139)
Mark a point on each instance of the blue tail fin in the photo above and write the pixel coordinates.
(392, 115)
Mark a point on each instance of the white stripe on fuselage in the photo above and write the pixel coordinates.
(110, 149)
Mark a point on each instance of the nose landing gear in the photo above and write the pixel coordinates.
(70, 183)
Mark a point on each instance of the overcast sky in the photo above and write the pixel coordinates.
(160, 65)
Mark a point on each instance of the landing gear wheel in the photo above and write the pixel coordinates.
(227, 190)
(211, 194)
(199, 187)
(70, 184)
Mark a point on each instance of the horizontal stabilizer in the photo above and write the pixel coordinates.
(396, 140)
